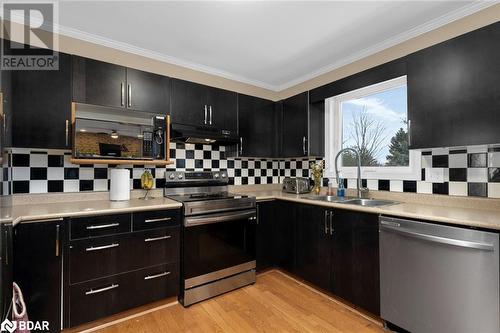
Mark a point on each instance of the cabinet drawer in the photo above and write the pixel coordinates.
(156, 219)
(94, 226)
(95, 258)
(99, 298)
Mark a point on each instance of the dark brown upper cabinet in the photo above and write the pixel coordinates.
(202, 106)
(258, 122)
(101, 83)
(453, 95)
(148, 92)
(295, 126)
(41, 106)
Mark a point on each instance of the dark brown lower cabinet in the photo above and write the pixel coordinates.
(118, 271)
(313, 245)
(264, 239)
(103, 297)
(38, 269)
(72, 277)
(334, 249)
(355, 259)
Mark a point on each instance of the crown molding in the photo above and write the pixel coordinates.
(393, 41)
(400, 38)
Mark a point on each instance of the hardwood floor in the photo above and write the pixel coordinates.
(276, 303)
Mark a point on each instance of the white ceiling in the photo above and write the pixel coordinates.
(269, 44)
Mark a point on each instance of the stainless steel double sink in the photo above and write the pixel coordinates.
(350, 200)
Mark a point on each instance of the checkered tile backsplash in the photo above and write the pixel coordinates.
(43, 171)
(471, 171)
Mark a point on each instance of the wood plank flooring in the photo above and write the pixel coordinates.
(276, 303)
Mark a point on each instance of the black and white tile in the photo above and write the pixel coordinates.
(469, 171)
(44, 171)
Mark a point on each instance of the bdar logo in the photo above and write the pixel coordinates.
(8, 326)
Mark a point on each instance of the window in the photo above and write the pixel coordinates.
(373, 121)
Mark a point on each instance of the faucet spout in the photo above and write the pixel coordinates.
(358, 158)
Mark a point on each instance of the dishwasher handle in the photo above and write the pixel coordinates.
(395, 228)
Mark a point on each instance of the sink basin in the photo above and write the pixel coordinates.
(370, 202)
(328, 198)
(350, 200)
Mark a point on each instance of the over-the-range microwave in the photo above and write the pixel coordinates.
(106, 133)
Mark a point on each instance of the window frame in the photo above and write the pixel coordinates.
(333, 138)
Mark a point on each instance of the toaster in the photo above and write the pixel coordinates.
(296, 185)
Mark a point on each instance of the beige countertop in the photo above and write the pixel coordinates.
(483, 218)
(41, 211)
(483, 213)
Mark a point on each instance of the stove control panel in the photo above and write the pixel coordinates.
(196, 176)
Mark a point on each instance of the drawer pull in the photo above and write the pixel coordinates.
(96, 291)
(97, 248)
(102, 226)
(157, 238)
(150, 277)
(163, 219)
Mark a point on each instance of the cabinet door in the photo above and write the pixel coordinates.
(453, 93)
(38, 269)
(99, 83)
(148, 92)
(257, 127)
(265, 237)
(188, 103)
(313, 245)
(295, 124)
(41, 107)
(6, 122)
(355, 259)
(284, 235)
(223, 105)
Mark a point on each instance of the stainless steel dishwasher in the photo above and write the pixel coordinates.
(436, 278)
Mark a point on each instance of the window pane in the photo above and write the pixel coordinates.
(376, 125)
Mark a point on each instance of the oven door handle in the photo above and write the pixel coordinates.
(217, 218)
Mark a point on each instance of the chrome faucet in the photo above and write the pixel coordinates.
(360, 188)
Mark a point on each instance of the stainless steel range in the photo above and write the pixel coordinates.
(218, 237)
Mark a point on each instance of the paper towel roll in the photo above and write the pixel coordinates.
(120, 185)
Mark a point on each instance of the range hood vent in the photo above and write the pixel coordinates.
(201, 135)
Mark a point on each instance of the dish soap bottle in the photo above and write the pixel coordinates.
(340, 188)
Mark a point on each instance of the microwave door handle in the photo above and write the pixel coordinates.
(224, 217)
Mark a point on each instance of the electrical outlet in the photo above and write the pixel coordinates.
(435, 175)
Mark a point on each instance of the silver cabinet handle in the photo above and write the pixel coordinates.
(439, 239)
(210, 114)
(331, 222)
(257, 216)
(158, 220)
(129, 88)
(326, 222)
(122, 93)
(304, 145)
(205, 108)
(157, 238)
(67, 132)
(409, 133)
(241, 145)
(102, 226)
(149, 277)
(96, 291)
(104, 247)
(57, 239)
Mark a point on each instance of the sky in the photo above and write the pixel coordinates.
(389, 107)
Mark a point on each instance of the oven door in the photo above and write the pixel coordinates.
(218, 245)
